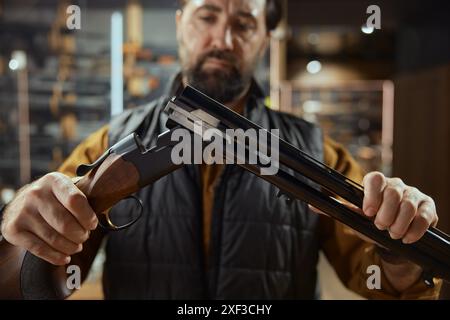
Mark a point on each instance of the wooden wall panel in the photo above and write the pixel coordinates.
(422, 137)
(422, 134)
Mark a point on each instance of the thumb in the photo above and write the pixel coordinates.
(347, 230)
(346, 204)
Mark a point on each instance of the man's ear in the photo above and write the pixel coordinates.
(178, 15)
(264, 46)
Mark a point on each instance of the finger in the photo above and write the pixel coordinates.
(346, 204)
(374, 184)
(432, 207)
(346, 229)
(74, 201)
(424, 218)
(38, 226)
(60, 219)
(407, 210)
(42, 250)
(350, 206)
(392, 196)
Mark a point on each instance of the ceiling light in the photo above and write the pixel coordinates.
(367, 30)
(314, 66)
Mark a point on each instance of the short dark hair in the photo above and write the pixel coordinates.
(274, 12)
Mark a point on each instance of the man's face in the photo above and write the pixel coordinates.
(220, 44)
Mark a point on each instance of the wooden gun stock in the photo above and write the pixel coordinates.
(104, 186)
(113, 180)
(121, 171)
(24, 276)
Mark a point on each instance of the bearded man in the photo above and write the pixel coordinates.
(217, 231)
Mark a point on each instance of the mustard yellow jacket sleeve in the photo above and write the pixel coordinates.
(86, 152)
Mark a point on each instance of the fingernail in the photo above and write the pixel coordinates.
(394, 235)
(67, 260)
(80, 248)
(380, 227)
(94, 225)
(370, 212)
(406, 241)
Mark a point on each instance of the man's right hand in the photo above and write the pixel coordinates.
(50, 217)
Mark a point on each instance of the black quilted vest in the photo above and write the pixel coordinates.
(261, 246)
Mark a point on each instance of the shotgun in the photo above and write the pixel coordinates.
(129, 165)
(431, 252)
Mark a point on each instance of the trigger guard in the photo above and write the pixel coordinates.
(105, 222)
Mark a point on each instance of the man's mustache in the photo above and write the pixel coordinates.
(221, 55)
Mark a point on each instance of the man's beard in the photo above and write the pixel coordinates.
(221, 85)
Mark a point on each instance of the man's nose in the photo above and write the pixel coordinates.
(223, 38)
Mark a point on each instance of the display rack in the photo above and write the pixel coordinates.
(357, 114)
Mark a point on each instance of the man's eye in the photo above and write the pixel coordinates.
(208, 19)
(244, 27)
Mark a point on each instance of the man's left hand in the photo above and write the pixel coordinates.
(404, 211)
